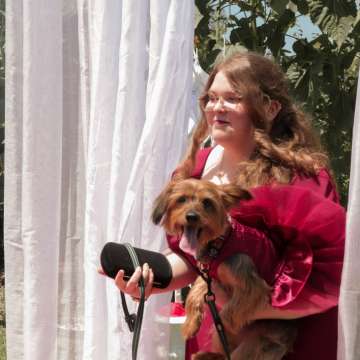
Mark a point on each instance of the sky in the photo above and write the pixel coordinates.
(308, 29)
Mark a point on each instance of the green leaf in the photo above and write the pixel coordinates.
(203, 28)
(302, 84)
(305, 51)
(245, 6)
(334, 17)
(276, 30)
(343, 108)
(355, 66)
(292, 6)
(243, 35)
(210, 44)
(322, 42)
(341, 31)
(307, 79)
(302, 6)
(234, 19)
(293, 72)
(329, 72)
(319, 9)
(279, 5)
(213, 56)
(202, 6)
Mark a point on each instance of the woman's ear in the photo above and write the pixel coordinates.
(272, 108)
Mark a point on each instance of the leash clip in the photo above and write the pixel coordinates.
(204, 268)
(209, 297)
(210, 300)
(131, 320)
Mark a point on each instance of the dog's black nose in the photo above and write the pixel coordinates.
(192, 217)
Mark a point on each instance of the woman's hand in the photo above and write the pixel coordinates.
(182, 275)
(131, 286)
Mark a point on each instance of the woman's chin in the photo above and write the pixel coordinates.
(221, 137)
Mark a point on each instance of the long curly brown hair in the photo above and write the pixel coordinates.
(284, 146)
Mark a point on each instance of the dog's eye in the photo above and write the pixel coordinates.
(181, 200)
(208, 204)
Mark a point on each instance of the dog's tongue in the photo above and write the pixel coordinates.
(188, 241)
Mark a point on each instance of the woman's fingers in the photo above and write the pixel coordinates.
(119, 280)
(146, 273)
(101, 271)
(131, 287)
(149, 284)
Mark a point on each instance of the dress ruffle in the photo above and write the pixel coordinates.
(308, 231)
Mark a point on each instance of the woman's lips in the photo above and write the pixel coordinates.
(221, 122)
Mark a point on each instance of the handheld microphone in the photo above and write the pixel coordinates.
(115, 257)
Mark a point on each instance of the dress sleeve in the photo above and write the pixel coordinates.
(253, 242)
(308, 231)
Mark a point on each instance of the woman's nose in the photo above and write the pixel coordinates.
(219, 105)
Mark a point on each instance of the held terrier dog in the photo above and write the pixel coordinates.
(197, 211)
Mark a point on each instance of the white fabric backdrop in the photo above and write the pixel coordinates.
(98, 98)
(349, 307)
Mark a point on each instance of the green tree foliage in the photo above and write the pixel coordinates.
(322, 71)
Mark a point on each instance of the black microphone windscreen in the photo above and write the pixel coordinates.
(115, 257)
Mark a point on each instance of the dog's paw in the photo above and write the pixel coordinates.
(207, 356)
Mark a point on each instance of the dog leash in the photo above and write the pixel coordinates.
(134, 321)
(209, 298)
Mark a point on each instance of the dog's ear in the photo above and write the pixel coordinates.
(160, 205)
(233, 194)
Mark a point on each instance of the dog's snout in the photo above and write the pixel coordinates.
(192, 217)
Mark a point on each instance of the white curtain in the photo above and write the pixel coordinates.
(349, 307)
(98, 97)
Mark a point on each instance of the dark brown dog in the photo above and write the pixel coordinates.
(197, 210)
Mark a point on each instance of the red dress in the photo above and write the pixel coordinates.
(295, 235)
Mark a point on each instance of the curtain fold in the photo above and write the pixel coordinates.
(349, 306)
(14, 255)
(97, 110)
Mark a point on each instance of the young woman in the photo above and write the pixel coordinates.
(263, 141)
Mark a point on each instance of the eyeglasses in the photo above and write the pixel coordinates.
(228, 102)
